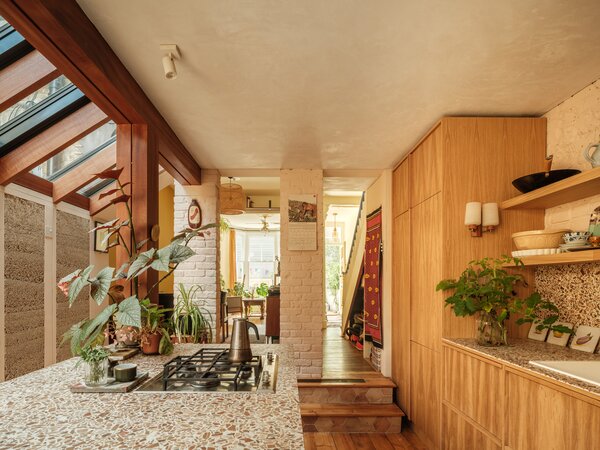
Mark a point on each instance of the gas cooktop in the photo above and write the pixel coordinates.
(209, 370)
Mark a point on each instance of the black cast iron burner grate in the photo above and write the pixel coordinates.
(209, 368)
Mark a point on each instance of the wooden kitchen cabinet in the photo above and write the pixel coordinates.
(401, 311)
(426, 168)
(458, 433)
(425, 398)
(400, 189)
(543, 417)
(475, 387)
(426, 260)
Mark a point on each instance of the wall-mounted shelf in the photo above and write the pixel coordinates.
(571, 189)
(560, 258)
(263, 210)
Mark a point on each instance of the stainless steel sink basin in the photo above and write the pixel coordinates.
(588, 371)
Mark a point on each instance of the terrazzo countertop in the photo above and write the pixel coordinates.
(39, 411)
(520, 351)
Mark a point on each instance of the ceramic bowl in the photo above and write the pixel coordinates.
(576, 237)
(538, 239)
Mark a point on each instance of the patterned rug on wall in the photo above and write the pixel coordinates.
(372, 279)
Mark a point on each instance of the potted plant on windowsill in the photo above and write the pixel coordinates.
(127, 312)
(487, 290)
(189, 323)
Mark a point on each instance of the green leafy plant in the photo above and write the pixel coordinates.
(127, 312)
(237, 290)
(262, 290)
(188, 321)
(95, 358)
(485, 287)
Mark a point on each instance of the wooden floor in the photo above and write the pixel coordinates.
(340, 357)
(362, 441)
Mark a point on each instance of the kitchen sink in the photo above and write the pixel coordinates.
(588, 371)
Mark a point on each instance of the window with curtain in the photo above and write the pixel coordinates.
(255, 257)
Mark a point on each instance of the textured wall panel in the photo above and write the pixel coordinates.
(24, 286)
(72, 253)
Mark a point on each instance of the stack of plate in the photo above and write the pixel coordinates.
(575, 247)
(576, 241)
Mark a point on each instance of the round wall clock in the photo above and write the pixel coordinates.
(194, 215)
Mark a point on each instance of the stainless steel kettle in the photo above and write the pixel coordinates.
(239, 349)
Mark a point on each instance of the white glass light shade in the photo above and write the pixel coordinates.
(473, 213)
(490, 215)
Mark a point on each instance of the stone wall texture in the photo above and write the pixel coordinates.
(24, 286)
(203, 268)
(302, 279)
(72, 253)
(572, 126)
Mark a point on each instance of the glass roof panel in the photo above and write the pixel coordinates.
(77, 153)
(33, 99)
(12, 45)
(94, 187)
(2, 21)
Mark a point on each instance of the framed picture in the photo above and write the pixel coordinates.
(535, 334)
(586, 338)
(558, 338)
(99, 236)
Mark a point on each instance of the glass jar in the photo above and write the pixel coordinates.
(489, 331)
(95, 373)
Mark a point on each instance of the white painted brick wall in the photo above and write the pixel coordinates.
(302, 279)
(203, 268)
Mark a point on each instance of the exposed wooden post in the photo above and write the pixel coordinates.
(137, 154)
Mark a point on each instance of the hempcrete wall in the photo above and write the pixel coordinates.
(72, 253)
(302, 301)
(24, 286)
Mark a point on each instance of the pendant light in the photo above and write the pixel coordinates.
(232, 198)
(335, 237)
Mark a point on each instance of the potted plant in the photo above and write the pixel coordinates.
(262, 290)
(95, 365)
(487, 290)
(154, 336)
(125, 312)
(188, 321)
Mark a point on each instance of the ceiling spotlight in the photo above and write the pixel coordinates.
(170, 54)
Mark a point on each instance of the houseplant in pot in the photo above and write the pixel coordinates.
(190, 322)
(123, 312)
(487, 290)
(154, 333)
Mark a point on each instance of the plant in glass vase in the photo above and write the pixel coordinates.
(485, 288)
(124, 312)
(95, 363)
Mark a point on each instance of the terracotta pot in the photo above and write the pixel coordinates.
(151, 342)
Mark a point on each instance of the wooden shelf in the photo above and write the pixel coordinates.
(573, 188)
(560, 258)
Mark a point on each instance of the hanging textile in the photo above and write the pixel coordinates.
(232, 264)
(372, 279)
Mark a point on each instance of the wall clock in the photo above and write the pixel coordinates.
(194, 215)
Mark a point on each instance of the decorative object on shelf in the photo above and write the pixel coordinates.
(473, 218)
(595, 241)
(535, 252)
(537, 334)
(190, 322)
(576, 241)
(100, 239)
(558, 337)
(94, 359)
(194, 215)
(538, 239)
(486, 289)
(125, 372)
(232, 198)
(594, 227)
(490, 217)
(535, 181)
(586, 339)
(594, 157)
(128, 312)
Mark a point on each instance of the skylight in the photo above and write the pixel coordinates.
(77, 153)
(94, 187)
(12, 45)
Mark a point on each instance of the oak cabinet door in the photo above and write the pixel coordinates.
(425, 401)
(475, 388)
(401, 311)
(426, 168)
(400, 189)
(539, 416)
(459, 434)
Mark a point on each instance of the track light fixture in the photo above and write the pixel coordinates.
(170, 54)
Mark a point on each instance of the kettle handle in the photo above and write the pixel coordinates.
(251, 325)
(586, 152)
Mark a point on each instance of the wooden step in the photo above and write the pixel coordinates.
(378, 390)
(344, 418)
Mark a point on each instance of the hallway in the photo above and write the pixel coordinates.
(341, 358)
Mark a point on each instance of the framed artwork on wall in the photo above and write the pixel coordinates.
(100, 244)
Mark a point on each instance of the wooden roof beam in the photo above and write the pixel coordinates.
(65, 35)
(50, 142)
(85, 173)
(97, 204)
(24, 77)
(44, 187)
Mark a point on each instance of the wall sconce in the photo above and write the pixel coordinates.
(473, 218)
(490, 216)
(170, 53)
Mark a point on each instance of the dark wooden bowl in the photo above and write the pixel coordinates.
(535, 181)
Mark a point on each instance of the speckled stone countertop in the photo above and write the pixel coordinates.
(520, 351)
(39, 411)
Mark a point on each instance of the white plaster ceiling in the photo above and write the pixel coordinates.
(346, 84)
